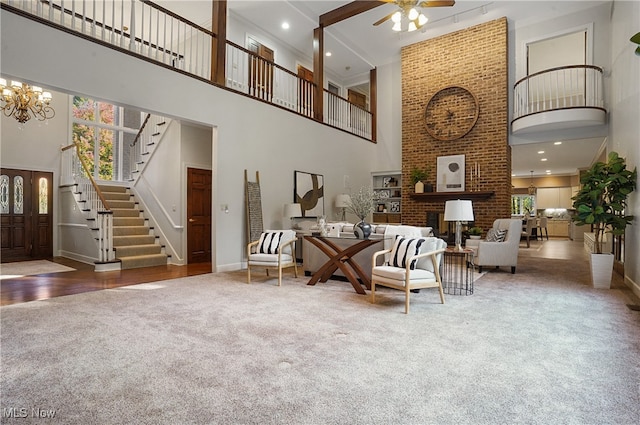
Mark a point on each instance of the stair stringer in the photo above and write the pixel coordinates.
(79, 233)
(159, 219)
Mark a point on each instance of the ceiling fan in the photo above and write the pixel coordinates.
(409, 13)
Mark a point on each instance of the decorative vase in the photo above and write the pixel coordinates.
(601, 270)
(362, 230)
(419, 187)
(428, 187)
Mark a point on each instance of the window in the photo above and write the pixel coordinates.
(101, 129)
(523, 204)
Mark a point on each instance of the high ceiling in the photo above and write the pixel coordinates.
(357, 46)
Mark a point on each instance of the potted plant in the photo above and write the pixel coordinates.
(601, 202)
(362, 203)
(475, 232)
(418, 179)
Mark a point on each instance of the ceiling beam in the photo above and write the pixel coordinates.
(347, 11)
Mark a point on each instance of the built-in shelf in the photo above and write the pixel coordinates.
(446, 196)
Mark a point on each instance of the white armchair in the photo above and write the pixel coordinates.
(496, 253)
(274, 250)
(413, 263)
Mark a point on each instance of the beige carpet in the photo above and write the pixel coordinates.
(30, 268)
(537, 347)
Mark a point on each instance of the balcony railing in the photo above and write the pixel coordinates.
(567, 87)
(145, 29)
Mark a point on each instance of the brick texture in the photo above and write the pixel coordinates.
(475, 58)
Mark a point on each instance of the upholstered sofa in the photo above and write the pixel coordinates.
(313, 258)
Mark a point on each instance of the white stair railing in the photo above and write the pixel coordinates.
(74, 171)
(145, 142)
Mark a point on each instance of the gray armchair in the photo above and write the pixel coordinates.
(499, 254)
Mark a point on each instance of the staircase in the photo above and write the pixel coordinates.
(134, 243)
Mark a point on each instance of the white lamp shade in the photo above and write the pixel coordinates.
(292, 210)
(343, 200)
(458, 210)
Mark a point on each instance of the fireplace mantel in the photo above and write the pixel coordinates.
(446, 196)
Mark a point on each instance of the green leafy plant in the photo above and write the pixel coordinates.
(362, 202)
(602, 200)
(475, 231)
(419, 174)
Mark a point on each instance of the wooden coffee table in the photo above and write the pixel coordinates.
(342, 258)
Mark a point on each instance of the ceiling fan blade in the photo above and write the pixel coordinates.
(443, 3)
(386, 18)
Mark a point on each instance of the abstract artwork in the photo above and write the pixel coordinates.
(450, 176)
(309, 193)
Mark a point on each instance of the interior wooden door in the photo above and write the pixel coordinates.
(26, 215)
(198, 215)
(305, 90)
(261, 70)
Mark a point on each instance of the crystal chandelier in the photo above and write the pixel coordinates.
(22, 101)
(408, 19)
(532, 188)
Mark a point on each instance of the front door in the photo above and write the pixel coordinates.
(198, 215)
(26, 211)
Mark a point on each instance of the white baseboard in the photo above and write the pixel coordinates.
(635, 288)
(230, 267)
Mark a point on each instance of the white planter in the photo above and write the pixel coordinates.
(419, 187)
(601, 270)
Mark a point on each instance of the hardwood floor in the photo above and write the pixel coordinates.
(85, 279)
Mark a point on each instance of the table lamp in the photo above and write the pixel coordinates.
(342, 201)
(458, 211)
(292, 210)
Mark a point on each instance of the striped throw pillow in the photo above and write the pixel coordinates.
(496, 235)
(269, 242)
(403, 249)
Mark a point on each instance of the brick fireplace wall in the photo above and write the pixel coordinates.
(475, 58)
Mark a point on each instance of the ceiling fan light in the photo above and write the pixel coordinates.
(396, 17)
(413, 14)
(397, 27)
(412, 26)
(422, 19)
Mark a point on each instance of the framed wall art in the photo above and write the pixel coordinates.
(308, 191)
(450, 177)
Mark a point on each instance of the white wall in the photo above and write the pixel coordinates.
(36, 145)
(249, 134)
(625, 125)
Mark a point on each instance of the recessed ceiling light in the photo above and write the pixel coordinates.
(285, 25)
(548, 171)
(543, 159)
(557, 143)
(540, 152)
(328, 54)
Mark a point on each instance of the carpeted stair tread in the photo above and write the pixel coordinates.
(133, 240)
(137, 250)
(134, 244)
(128, 221)
(115, 189)
(125, 212)
(143, 261)
(121, 204)
(130, 230)
(116, 196)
